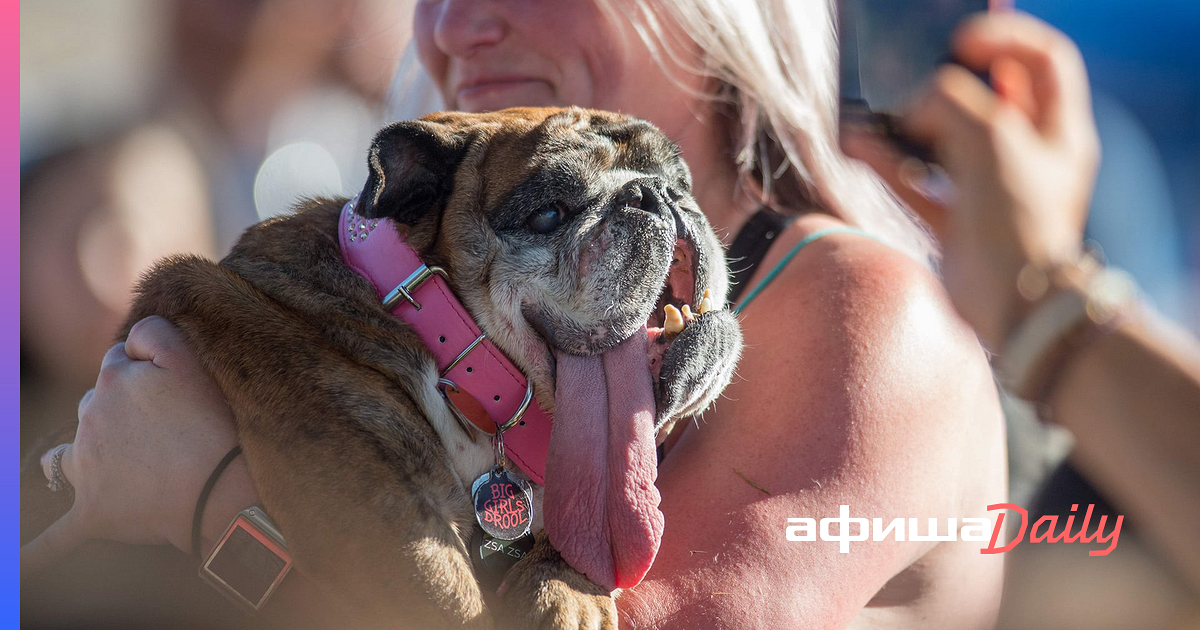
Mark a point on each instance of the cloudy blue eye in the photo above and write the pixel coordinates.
(546, 219)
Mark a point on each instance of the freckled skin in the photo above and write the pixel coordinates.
(873, 357)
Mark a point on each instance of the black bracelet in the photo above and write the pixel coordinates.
(208, 486)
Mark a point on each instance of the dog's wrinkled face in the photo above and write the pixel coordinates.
(565, 230)
(572, 237)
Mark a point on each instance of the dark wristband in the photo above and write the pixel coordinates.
(208, 486)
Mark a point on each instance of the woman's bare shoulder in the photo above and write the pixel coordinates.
(857, 345)
(854, 299)
(858, 386)
(844, 269)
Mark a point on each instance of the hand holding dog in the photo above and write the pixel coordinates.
(149, 435)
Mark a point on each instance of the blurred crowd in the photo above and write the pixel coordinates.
(154, 128)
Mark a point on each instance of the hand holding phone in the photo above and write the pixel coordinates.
(889, 50)
(1022, 156)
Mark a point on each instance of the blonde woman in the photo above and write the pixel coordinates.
(859, 386)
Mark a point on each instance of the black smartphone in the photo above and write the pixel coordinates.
(888, 50)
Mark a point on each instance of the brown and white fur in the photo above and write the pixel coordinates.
(350, 445)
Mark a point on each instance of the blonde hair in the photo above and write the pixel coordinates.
(775, 62)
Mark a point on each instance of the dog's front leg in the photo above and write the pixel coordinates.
(543, 592)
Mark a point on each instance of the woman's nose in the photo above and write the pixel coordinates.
(464, 26)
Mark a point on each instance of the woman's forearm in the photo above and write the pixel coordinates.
(298, 602)
(1132, 399)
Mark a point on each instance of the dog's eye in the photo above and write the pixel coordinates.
(546, 219)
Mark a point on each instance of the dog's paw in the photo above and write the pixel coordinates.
(543, 592)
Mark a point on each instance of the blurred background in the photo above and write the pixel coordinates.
(152, 127)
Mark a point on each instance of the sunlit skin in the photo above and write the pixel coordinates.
(858, 385)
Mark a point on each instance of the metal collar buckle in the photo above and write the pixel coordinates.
(405, 290)
(410, 284)
(469, 427)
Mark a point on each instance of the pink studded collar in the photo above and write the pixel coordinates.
(481, 385)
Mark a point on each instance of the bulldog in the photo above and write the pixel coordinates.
(571, 238)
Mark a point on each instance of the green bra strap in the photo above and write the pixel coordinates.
(788, 258)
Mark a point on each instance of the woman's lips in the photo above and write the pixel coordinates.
(500, 93)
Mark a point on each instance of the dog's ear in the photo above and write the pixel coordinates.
(412, 166)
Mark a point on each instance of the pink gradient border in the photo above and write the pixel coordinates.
(10, 250)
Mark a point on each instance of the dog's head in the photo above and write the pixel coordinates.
(569, 234)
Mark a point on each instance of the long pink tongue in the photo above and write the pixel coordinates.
(601, 506)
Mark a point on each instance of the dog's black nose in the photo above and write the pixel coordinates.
(631, 196)
(644, 194)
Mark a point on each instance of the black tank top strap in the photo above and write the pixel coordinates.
(750, 246)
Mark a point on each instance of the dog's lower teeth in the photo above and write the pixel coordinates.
(673, 320)
(687, 314)
(706, 303)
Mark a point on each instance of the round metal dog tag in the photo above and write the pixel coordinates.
(491, 558)
(503, 504)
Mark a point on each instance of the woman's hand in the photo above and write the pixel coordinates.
(150, 434)
(1022, 158)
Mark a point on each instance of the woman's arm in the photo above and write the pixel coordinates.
(149, 436)
(857, 387)
(298, 602)
(1132, 400)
